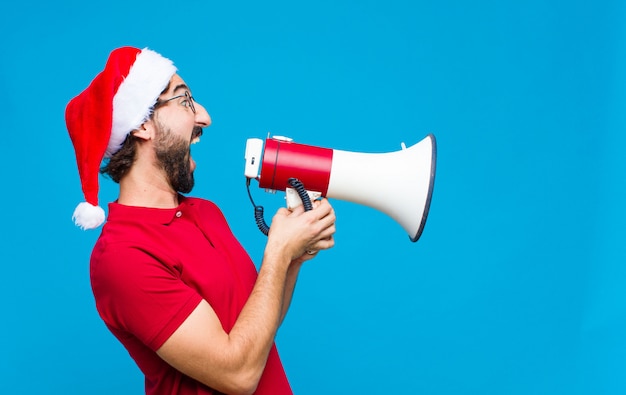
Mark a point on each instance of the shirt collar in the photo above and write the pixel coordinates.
(164, 216)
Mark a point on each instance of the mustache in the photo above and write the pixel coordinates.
(196, 132)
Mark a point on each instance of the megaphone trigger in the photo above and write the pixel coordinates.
(301, 193)
(294, 200)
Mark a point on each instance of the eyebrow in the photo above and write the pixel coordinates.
(181, 86)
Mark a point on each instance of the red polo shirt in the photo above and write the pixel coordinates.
(151, 267)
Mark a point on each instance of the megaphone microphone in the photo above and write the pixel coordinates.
(399, 184)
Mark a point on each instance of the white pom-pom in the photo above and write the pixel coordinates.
(88, 216)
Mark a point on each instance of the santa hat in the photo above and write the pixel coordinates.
(116, 102)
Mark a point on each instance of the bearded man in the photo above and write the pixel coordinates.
(170, 280)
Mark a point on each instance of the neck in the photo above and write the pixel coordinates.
(147, 187)
(147, 195)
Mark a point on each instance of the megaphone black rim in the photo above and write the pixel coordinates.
(430, 189)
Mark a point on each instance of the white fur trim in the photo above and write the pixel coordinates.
(88, 216)
(134, 99)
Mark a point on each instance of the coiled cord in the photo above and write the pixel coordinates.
(259, 210)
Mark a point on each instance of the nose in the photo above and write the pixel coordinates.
(203, 119)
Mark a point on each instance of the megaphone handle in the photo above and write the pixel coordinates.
(302, 192)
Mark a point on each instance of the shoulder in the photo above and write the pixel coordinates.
(127, 252)
(209, 217)
(201, 203)
(206, 208)
(121, 264)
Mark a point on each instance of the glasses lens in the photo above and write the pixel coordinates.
(193, 108)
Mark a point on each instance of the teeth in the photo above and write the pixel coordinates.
(195, 140)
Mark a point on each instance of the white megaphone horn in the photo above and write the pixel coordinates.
(399, 184)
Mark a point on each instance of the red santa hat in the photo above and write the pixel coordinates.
(116, 102)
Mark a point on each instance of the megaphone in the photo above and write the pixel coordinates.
(399, 184)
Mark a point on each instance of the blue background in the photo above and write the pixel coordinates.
(517, 284)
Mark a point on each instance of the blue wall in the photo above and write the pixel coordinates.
(517, 284)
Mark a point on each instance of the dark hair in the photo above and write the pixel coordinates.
(120, 163)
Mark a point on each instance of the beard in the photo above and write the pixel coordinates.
(173, 156)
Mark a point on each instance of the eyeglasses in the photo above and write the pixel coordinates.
(188, 102)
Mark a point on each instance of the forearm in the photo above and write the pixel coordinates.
(264, 312)
(232, 362)
(253, 334)
(290, 285)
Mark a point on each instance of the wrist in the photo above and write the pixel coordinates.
(296, 264)
(275, 257)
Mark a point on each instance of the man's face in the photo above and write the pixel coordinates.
(178, 124)
(173, 154)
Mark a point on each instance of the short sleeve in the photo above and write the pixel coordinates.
(139, 293)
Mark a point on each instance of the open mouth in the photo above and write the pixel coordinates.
(195, 134)
(195, 138)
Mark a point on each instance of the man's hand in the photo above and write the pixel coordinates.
(301, 234)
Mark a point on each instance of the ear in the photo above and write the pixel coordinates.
(145, 131)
